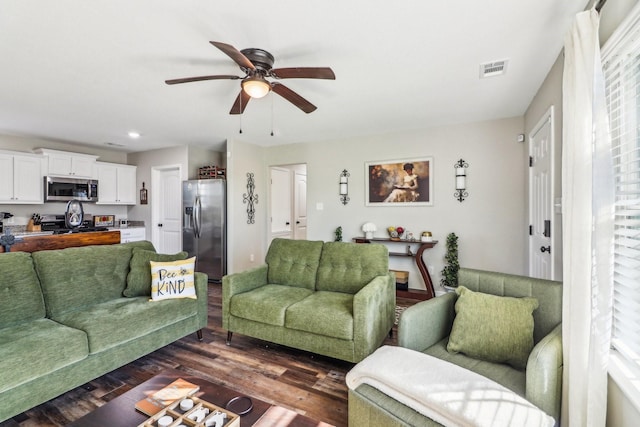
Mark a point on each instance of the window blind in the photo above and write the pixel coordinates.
(622, 79)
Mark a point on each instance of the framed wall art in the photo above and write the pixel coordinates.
(407, 182)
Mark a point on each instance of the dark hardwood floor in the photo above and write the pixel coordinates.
(310, 384)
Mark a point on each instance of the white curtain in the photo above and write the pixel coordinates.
(588, 199)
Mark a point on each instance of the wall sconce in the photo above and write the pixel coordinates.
(461, 180)
(344, 187)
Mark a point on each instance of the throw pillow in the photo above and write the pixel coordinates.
(173, 279)
(493, 328)
(139, 277)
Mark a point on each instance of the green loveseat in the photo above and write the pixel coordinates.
(426, 326)
(336, 299)
(64, 320)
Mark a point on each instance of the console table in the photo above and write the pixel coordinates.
(424, 271)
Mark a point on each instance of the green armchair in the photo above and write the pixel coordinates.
(426, 327)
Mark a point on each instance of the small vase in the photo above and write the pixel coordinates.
(448, 288)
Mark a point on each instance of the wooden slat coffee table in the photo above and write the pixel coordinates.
(121, 412)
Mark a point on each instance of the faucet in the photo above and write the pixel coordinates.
(4, 215)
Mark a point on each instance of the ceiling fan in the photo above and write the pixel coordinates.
(257, 64)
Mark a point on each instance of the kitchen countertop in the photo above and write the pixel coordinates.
(19, 230)
(125, 228)
(59, 241)
(32, 233)
(28, 234)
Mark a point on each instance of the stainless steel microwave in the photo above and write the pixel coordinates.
(58, 189)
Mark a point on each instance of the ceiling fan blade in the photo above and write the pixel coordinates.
(200, 78)
(234, 54)
(304, 73)
(293, 97)
(241, 103)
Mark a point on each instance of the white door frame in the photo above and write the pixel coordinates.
(299, 211)
(292, 169)
(547, 117)
(155, 196)
(286, 232)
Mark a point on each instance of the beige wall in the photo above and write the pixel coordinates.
(145, 162)
(245, 240)
(22, 213)
(27, 144)
(199, 157)
(188, 158)
(490, 222)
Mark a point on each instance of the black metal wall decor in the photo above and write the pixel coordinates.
(344, 187)
(250, 199)
(461, 180)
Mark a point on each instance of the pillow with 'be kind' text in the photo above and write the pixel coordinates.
(173, 279)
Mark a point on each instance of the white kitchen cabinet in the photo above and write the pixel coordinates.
(116, 184)
(21, 178)
(133, 234)
(63, 163)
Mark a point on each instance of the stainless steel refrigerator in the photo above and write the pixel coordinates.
(204, 225)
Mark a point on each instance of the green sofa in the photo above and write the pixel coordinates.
(426, 326)
(64, 320)
(336, 299)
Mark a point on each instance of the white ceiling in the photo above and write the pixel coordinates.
(90, 71)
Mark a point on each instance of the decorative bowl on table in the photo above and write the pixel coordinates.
(395, 233)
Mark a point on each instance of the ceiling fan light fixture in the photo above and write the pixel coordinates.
(256, 87)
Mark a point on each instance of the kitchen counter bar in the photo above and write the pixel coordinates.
(61, 241)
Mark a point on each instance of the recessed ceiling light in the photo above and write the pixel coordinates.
(133, 134)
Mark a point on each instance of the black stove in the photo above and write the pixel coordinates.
(57, 224)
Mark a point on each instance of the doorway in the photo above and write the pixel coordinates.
(166, 217)
(288, 197)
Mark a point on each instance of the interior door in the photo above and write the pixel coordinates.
(281, 203)
(300, 207)
(541, 260)
(167, 229)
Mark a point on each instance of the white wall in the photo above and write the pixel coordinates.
(490, 223)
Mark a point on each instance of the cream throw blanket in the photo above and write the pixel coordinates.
(446, 393)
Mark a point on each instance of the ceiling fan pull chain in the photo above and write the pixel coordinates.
(240, 115)
(271, 115)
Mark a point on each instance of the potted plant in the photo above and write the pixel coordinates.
(450, 271)
(338, 234)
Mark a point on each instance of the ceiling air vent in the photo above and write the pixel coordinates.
(494, 68)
